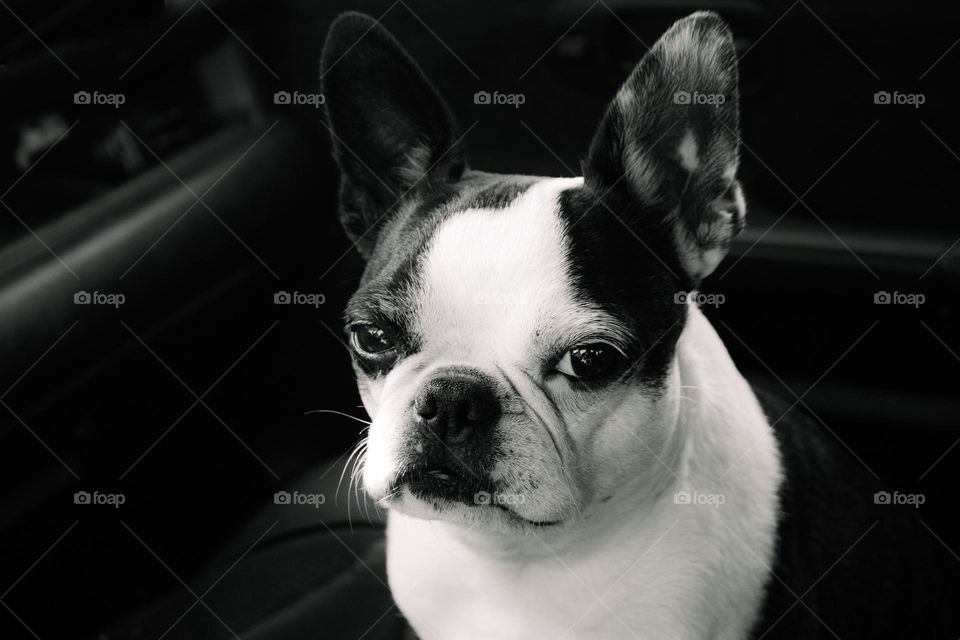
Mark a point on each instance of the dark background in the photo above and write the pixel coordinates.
(190, 398)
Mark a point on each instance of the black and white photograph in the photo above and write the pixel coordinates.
(419, 320)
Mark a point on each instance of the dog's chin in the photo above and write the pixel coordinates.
(475, 504)
(476, 516)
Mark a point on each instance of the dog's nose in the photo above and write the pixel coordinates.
(454, 406)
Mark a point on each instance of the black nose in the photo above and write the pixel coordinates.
(454, 406)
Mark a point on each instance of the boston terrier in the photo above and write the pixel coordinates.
(564, 446)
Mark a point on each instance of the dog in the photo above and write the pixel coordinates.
(563, 443)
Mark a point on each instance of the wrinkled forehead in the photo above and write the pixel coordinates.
(495, 278)
(490, 273)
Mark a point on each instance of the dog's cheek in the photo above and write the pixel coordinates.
(396, 387)
(388, 412)
(530, 474)
(632, 449)
(388, 400)
(382, 456)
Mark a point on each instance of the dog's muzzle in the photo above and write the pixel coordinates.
(449, 445)
(456, 407)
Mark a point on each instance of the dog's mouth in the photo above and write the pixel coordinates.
(445, 483)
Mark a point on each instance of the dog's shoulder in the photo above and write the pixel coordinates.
(842, 555)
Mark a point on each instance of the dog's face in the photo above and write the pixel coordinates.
(514, 337)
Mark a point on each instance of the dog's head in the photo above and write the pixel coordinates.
(514, 337)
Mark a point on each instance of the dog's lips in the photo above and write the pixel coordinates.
(460, 486)
(533, 523)
(445, 482)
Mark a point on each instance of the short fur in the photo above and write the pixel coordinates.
(654, 503)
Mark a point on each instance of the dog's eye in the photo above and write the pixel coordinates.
(370, 339)
(589, 361)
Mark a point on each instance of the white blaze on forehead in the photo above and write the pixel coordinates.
(493, 278)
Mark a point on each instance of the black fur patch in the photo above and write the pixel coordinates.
(393, 135)
(894, 583)
(626, 272)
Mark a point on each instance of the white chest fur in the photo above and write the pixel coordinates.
(671, 568)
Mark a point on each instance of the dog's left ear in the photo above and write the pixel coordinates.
(391, 129)
(670, 141)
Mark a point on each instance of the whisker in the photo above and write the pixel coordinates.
(360, 489)
(356, 450)
(339, 413)
(354, 484)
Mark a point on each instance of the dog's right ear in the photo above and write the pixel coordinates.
(391, 130)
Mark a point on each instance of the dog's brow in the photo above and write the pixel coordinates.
(595, 325)
(373, 305)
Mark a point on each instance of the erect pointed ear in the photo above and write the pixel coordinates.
(391, 130)
(670, 140)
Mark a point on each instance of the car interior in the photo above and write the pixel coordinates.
(170, 162)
